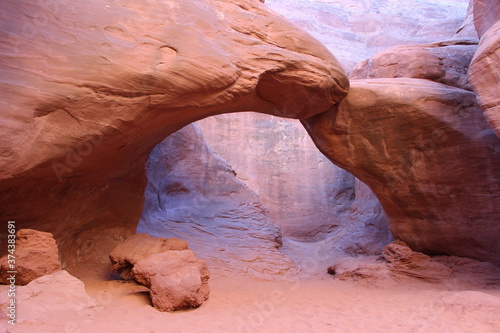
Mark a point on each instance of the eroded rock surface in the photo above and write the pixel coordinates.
(268, 153)
(414, 264)
(36, 254)
(428, 154)
(88, 89)
(484, 75)
(355, 30)
(277, 159)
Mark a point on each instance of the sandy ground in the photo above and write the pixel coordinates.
(245, 305)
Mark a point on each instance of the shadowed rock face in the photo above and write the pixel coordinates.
(357, 29)
(428, 154)
(89, 88)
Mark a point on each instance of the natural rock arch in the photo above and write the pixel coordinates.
(86, 97)
(90, 88)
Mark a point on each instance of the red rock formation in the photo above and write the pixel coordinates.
(468, 29)
(404, 266)
(486, 14)
(89, 88)
(176, 278)
(428, 154)
(484, 76)
(354, 30)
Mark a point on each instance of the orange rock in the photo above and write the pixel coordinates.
(177, 279)
(35, 255)
(443, 62)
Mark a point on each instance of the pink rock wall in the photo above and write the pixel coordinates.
(306, 195)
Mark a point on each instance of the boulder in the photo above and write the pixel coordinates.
(50, 298)
(141, 246)
(397, 251)
(443, 62)
(89, 89)
(428, 154)
(177, 279)
(484, 75)
(36, 254)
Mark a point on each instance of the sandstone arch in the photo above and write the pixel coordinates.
(89, 88)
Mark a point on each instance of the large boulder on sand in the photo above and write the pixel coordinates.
(177, 279)
(141, 246)
(36, 254)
